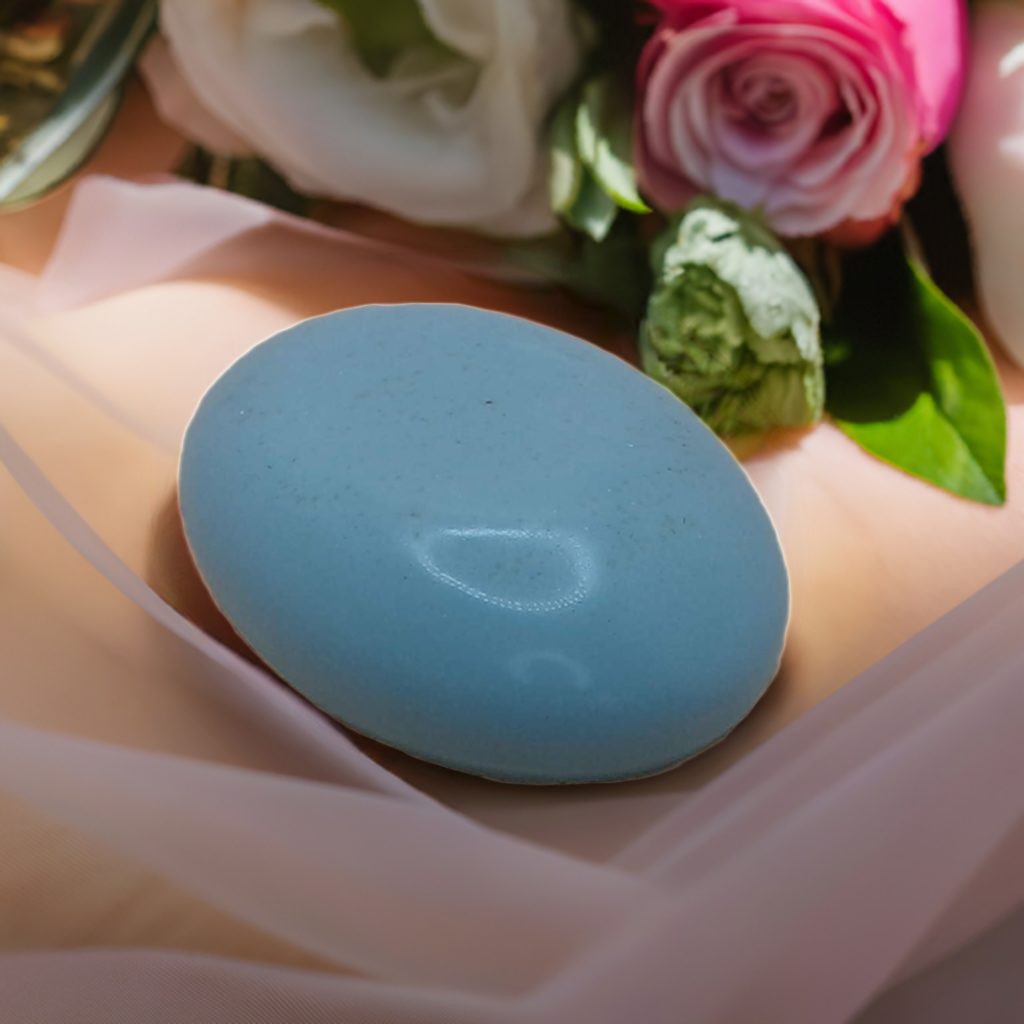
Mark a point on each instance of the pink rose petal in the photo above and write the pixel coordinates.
(936, 35)
(816, 111)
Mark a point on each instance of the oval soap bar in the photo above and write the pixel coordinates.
(485, 543)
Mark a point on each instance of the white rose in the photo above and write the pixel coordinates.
(450, 139)
(987, 156)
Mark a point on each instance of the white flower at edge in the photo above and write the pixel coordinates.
(987, 155)
(453, 142)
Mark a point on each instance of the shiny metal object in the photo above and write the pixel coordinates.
(74, 91)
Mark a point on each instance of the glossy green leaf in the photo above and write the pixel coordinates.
(910, 379)
(604, 136)
(384, 29)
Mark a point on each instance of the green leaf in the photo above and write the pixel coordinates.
(566, 175)
(604, 136)
(910, 379)
(245, 176)
(384, 29)
(613, 273)
(594, 210)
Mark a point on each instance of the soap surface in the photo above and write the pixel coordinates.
(485, 543)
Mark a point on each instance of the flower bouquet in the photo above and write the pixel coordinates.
(732, 178)
(744, 198)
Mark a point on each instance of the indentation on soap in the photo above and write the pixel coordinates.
(530, 571)
(550, 670)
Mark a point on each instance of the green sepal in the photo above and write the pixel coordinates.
(566, 174)
(594, 211)
(382, 30)
(592, 175)
(910, 379)
(604, 137)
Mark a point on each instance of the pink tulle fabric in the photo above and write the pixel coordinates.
(816, 113)
(862, 864)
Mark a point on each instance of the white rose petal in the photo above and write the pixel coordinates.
(179, 107)
(456, 141)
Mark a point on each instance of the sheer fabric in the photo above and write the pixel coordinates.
(839, 849)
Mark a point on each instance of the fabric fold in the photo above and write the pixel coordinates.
(288, 713)
(846, 855)
(411, 894)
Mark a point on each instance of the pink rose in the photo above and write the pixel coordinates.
(816, 111)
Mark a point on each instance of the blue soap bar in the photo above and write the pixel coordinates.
(485, 543)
